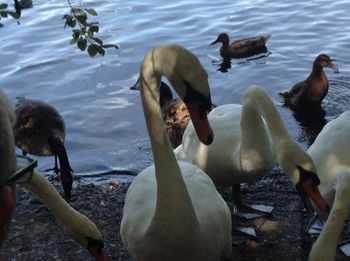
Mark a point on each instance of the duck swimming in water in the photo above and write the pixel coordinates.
(241, 48)
(40, 130)
(311, 92)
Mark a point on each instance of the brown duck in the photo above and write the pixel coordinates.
(40, 130)
(311, 92)
(241, 48)
(175, 113)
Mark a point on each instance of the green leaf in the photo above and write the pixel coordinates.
(82, 19)
(73, 40)
(90, 35)
(14, 14)
(91, 11)
(3, 14)
(76, 34)
(3, 6)
(94, 28)
(98, 40)
(92, 50)
(82, 42)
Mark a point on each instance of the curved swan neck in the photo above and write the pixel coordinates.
(260, 101)
(255, 139)
(171, 188)
(72, 220)
(333, 228)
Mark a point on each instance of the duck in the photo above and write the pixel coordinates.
(241, 48)
(172, 210)
(78, 226)
(249, 140)
(310, 92)
(8, 165)
(40, 130)
(174, 110)
(175, 115)
(332, 161)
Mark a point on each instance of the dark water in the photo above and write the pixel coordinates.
(106, 129)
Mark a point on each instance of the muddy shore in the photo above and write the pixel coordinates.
(36, 235)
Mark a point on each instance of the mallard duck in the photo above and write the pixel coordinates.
(241, 48)
(330, 152)
(311, 92)
(8, 164)
(175, 112)
(249, 139)
(175, 115)
(172, 210)
(40, 130)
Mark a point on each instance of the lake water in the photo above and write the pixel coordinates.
(106, 129)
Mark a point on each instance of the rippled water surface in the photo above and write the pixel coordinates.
(106, 129)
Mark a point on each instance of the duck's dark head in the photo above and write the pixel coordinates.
(222, 38)
(323, 60)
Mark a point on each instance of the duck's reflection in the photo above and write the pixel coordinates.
(225, 65)
(311, 120)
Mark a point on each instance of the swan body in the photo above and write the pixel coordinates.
(311, 92)
(241, 48)
(330, 152)
(40, 130)
(172, 210)
(249, 139)
(8, 164)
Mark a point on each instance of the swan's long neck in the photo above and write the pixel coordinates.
(261, 102)
(255, 147)
(72, 220)
(329, 237)
(173, 200)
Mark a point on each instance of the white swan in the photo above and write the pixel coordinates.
(7, 165)
(172, 210)
(75, 224)
(330, 152)
(248, 141)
